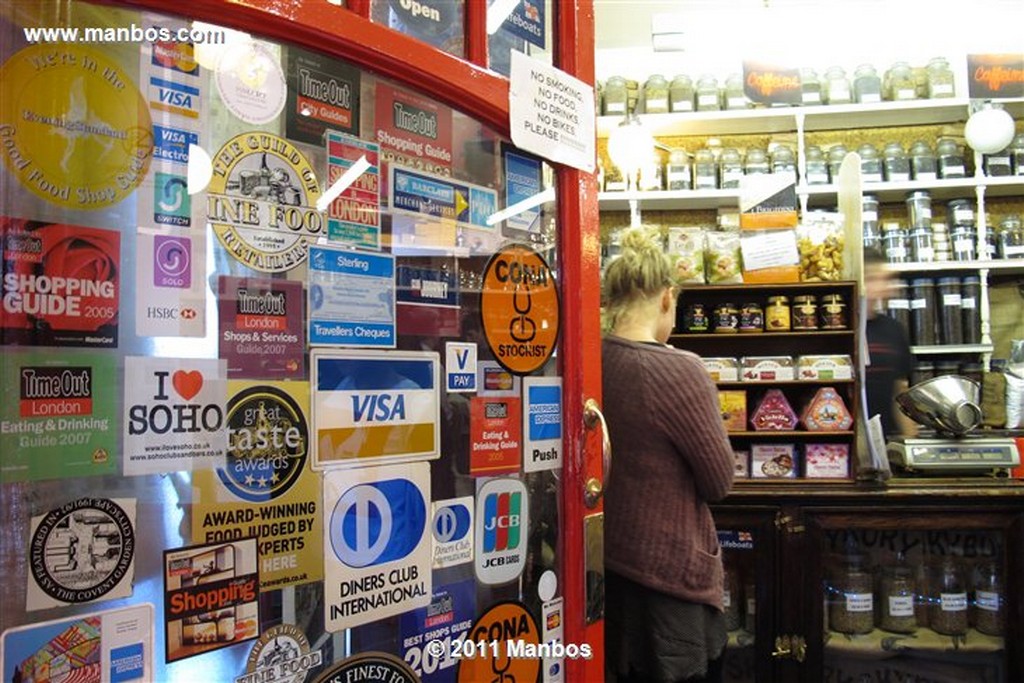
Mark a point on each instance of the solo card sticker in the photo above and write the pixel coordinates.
(59, 417)
(413, 131)
(170, 284)
(452, 529)
(447, 618)
(354, 217)
(495, 436)
(261, 330)
(373, 407)
(376, 543)
(351, 298)
(265, 487)
(460, 367)
(81, 552)
(502, 519)
(281, 655)
(211, 597)
(174, 414)
(542, 423)
(61, 284)
(323, 93)
(250, 81)
(112, 645)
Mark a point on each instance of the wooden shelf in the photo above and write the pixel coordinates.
(1003, 265)
(784, 383)
(794, 434)
(761, 335)
(747, 287)
(660, 200)
(940, 349)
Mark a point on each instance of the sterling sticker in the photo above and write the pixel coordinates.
(82, 551)
(262, 202)
(281, 655)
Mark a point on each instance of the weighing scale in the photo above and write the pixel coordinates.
(967, 455)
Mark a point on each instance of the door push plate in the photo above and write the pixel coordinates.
(593, 564)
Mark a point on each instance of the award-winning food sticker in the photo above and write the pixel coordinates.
(211, 597)
(369, 667)
(281, 655)
(502, 519)
(61, 284)
(170, 283)
(265, 487)
(81, 552)
(61, 417)
(250, 82)
(261, 330)
(505, 625)
(74, 128)
(262, 202)
(174, 414)
(113, 645)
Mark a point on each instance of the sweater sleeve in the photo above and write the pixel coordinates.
(688, 408)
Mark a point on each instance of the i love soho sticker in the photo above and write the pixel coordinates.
(174, 414)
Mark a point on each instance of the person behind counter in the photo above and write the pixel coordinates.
(891, 362)
(664, 583)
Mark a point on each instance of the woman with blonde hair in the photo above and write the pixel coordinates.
(664, 583)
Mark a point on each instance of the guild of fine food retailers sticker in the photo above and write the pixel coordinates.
(323, 94)
(446, 619)
(500, 528)
(265, 486)
(211, 597)
(519, 308)
(113, 645)
(261, 331)
(376, 543)
(261, 202)
(61, 284)
(369, 667)
(250, 81)
(170, 283)
(61, 417)
(281, 655)
(81, 552)
(74, 128)
(517, 629)
(174, 414)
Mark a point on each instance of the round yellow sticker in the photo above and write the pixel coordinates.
(74, 128)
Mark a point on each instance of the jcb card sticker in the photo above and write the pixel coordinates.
(75, 129)
(542, 423)
(261, 202)
(250, 81)
(452, 529)
(446, 619)
(354, 217)
(495, 435)
(281, 655)
(502, 520)
(81, 552)
(494, 380)
(112, 645)
(376, 543)
(520, 310)
(261, 328)
(170, 283)
(59, 416)
(61, 284)
(211, 597)
(507, 639)
(374, 407)
(351, 298)
(265, 487)
(174, 414)
(460, 367)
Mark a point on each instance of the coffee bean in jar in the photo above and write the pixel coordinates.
(947, 609)
(851, 603)
(833, 312)
(897, 598)
(989, 603)
(805, 312)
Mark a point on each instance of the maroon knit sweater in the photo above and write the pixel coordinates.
(671, 456)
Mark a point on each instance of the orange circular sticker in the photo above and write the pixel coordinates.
(520, 309)
(507, 646)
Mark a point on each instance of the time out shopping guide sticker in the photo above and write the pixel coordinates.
(376, 543)
(59, 418)
(174, 414)
(374, 407)
(170, 283)
(74, 128)
(211, 597)
(265, 487)
(261, 331)
(500, 527)
(519, 308)
(542, 423)
(281, 655)
(354, 217)
(81, 552)
(113, 645)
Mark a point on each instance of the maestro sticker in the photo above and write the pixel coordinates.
(519, 308)
(74, 129)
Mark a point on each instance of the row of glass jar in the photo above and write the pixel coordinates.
(682, 94)
(706, 169)
(946, 310)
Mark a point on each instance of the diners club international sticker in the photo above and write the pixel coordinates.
(262, 202)
(82, 551)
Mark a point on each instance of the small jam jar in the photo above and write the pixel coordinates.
(695, 318)
(833, 312)
(726, 318)
(805, 312)
(751, 318)
(776, 317)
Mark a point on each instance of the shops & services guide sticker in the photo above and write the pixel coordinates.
(261, 330)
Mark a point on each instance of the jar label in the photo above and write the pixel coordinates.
(706, 100)
(751, 607)
(987, 600)
(899, 304)
(737, 102)
(874, 177)
(859, 602)
(1013, 251)
(953, 171)
(813, 97)
(870, 97)
(900, 178)
(925, 254)
(901, 605)
(953, 602)
(968, 302)
(917, 304)
(951, 300)
(966, 246)
(963, 215)
(896, 252)
(614, 107)
(906, 94)
(838, 91)
(682, 105)
(942, 89)
(867, 216)
(726, 599)
(818, 178)
(615, 186)
(925, 175)
(659, 103)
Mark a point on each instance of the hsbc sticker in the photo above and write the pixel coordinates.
(170, 283)
(502, 520)
(451, 530)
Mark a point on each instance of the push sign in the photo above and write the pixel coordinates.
(542, 423)
(460, 367)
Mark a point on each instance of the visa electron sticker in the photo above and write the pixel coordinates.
(373, 407)
(502, 519)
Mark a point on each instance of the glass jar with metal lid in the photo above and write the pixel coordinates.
(707, 94)
(870, 163)
(695, 318)
(733, 95)
(756, 161)
(963, 238)
(970, 308)
(851, 603)
(896, 163)
(777, 315)
(805, 312)
(681, 94)
(894, 241)
(1017, 154)
(726, 318)
(705, 170)
(655, 93)
(951, 159)
(751, 317)
(616, 96)
(919, 209)
(867, 85)
(951, 326)
(783, 161)
(837, 86)
(730, 168)
(901, 84)
(810, 87)
(947, 612)
(989, 600)
(940, 78)
(922, 311)
(832, 312)
(816, 169)
(923, 164)
(836, 154)
(678, 174)
(960, 212)
(896, 595)
(898, 305)
(921, 249)
(1010, 237)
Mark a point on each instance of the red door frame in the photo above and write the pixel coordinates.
(482, 94)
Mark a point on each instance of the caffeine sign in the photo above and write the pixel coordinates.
(769, 84)
(990, 76)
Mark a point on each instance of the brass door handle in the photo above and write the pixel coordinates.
(782, 647)
(594, 489)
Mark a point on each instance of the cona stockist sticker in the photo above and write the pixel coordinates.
(281, 655)
(261, 202)
(82, 551)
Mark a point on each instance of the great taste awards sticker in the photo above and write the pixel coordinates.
(74, 128)
(262, 202)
